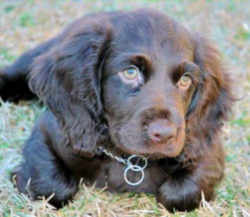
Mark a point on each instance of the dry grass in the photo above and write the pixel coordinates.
(25, 23)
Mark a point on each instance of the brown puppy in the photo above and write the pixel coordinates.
(131, 83)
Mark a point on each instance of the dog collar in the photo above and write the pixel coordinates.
(134, 163)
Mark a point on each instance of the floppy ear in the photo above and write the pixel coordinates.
(212, 100)
(68, 79)
(215, 87)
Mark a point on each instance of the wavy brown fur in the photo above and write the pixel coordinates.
(79, 76)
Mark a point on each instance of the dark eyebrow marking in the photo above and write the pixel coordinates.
(183, 67)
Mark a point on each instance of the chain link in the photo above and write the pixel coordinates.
(108, 153)
(129, 166)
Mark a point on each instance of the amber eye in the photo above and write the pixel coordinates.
(131, 73)
(184, 82)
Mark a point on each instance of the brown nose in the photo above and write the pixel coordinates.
(160, 131)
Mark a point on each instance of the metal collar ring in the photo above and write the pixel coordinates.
(134, 168)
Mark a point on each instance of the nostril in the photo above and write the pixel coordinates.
(156, 137)
(160, 131)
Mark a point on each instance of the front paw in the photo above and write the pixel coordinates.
(21, 182)
(181, 195)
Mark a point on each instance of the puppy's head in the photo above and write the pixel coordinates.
(140, 74)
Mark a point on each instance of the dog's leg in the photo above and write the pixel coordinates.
(42, 173)
(14, 78)
(183, 191)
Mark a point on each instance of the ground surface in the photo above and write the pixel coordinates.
(25, 23)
